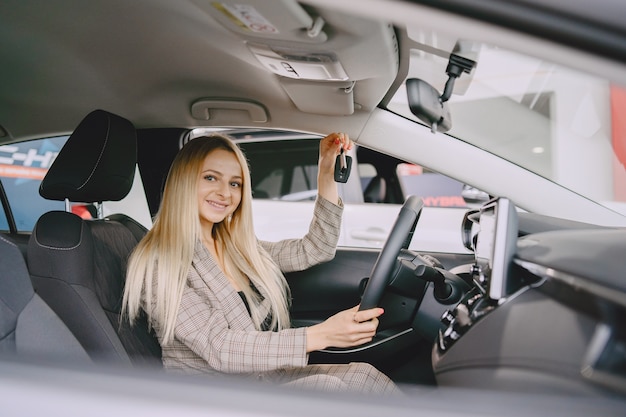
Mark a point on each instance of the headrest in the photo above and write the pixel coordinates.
(97, 162)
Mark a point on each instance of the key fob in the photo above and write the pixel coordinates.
(343, 164)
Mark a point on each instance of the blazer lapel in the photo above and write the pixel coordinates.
(229, 300)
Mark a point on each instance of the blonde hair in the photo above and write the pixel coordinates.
(159, 265)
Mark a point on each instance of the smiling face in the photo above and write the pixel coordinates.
(219, 187)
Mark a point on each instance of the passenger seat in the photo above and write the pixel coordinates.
(28, 327)
(78, 266)
(376, 190)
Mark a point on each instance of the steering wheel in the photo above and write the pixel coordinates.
(399, 238)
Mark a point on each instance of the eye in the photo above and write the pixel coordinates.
(209, 177)
(235, 184)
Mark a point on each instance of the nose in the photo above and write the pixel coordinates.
(224, 189)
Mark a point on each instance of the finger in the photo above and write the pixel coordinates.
(333, 142)
(353, 335)
(365, 329)
(369, 326)
(347, 143)
(363, 339)
(365, 315)
(340, 138)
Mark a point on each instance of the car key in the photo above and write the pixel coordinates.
(343, 164)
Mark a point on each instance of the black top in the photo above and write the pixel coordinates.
(268, 320)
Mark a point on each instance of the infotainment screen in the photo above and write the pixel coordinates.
(495, 245)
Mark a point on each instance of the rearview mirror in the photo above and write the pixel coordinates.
(425, 103)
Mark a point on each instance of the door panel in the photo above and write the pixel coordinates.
(325, 289)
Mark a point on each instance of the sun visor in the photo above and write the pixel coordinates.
(331, 98)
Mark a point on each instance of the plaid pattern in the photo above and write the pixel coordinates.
(317, 246)
(214, 332)
(215, 335)
(354, 377)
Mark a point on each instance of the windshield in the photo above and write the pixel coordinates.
(559, 123)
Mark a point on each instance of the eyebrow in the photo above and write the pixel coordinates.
(211, 170)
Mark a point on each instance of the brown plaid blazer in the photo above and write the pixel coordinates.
(214, 332)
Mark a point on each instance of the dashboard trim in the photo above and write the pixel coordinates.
(574, 281)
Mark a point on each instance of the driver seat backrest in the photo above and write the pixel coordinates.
(375, 191)
(78, 266)
(28, 326)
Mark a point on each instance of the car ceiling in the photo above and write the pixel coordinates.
(150, 60)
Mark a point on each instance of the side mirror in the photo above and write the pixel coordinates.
(426, 104)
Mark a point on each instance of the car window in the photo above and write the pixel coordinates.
(283, 169)
(291, 183)
(437, 190)
(4, 221)
(270, 186)
(22, 167)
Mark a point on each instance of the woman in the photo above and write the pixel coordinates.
(217, 297)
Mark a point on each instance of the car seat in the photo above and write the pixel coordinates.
(28, 326)
(78, 266)
(375, 191)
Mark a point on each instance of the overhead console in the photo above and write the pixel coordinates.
(300, 64)
(311, 51)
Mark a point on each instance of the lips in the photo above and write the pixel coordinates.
(216, 205)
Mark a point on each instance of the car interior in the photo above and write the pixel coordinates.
(78, 266)
(533, 303)
(30, 328)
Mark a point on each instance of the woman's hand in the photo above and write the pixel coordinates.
(345, 329)
(330, 147)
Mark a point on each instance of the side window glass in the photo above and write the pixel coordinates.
(303, 183)
(4, 222)
(366, 173)
(385, 179)
(282, 167)
(269, 186)
(373, 184)
(437, 190)
(22, 167)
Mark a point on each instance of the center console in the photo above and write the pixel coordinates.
(537, 318)
(491, 233)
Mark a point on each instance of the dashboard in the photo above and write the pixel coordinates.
(545, 312)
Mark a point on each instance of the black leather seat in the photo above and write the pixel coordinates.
(28, 327)
(375, 191)
(78, 266)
